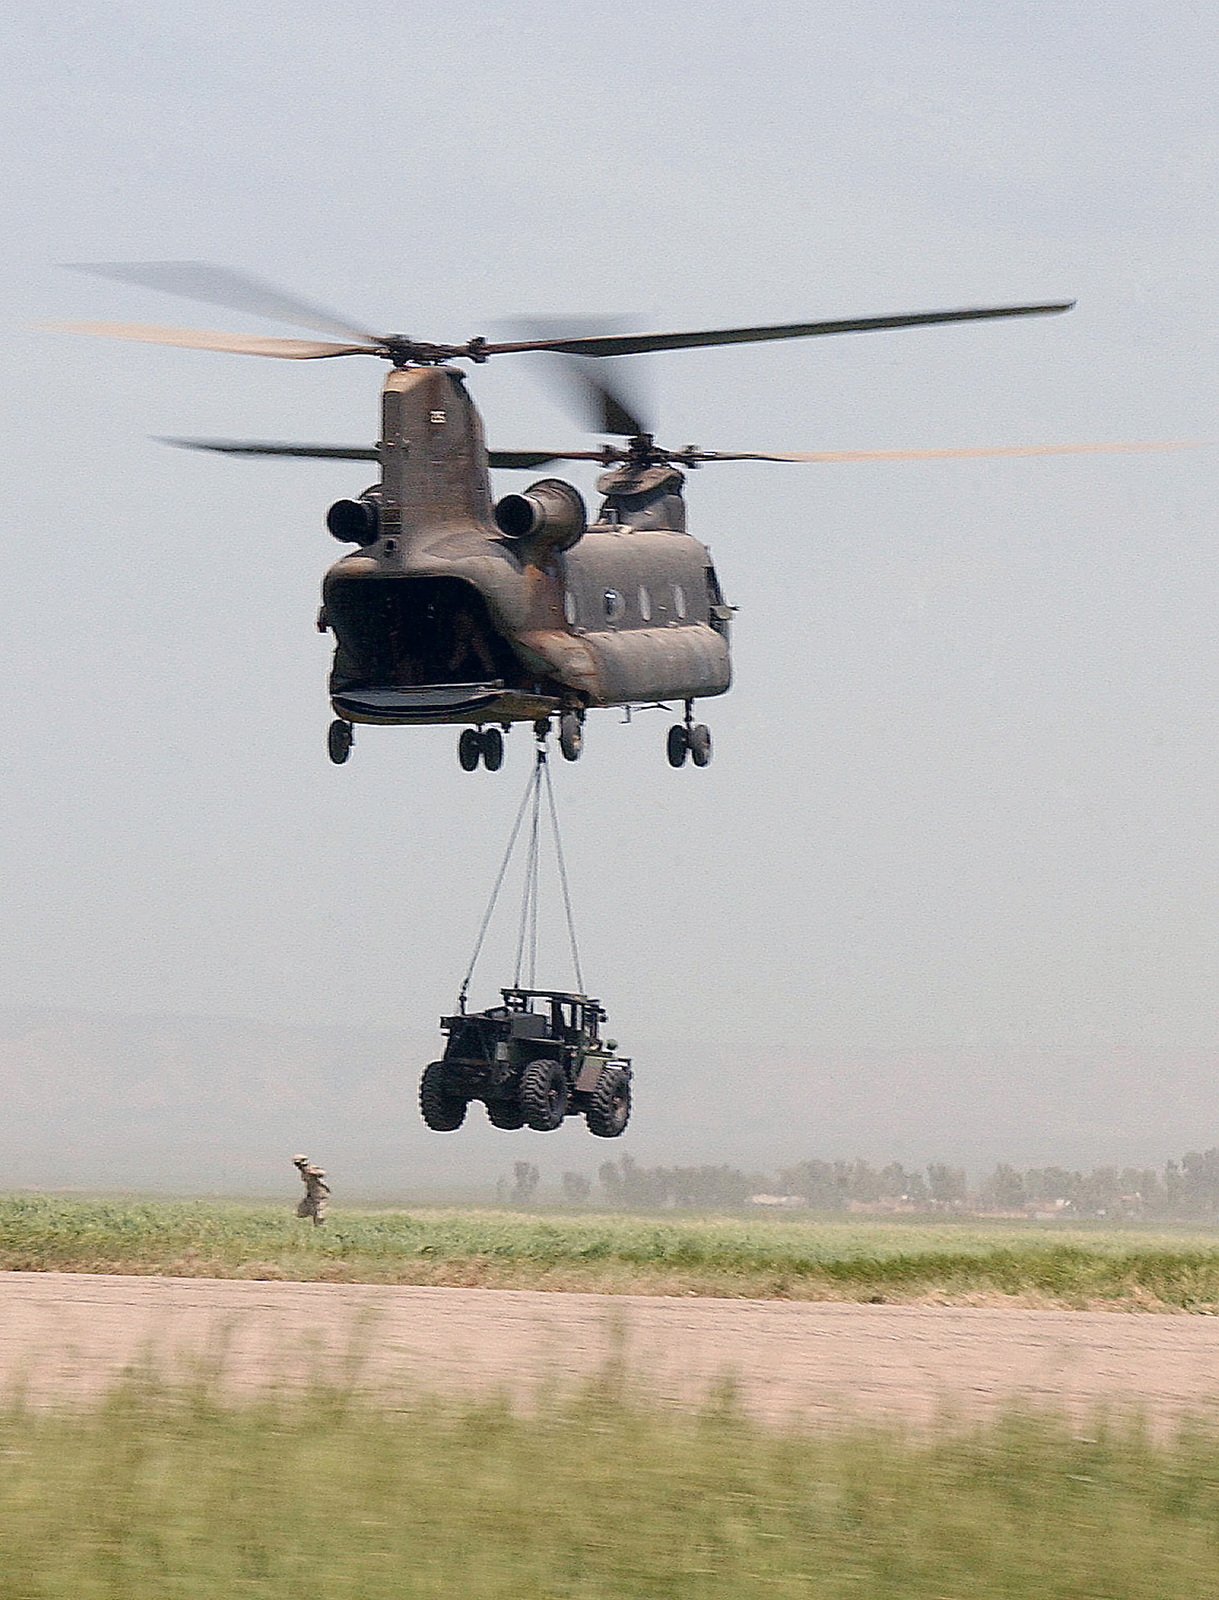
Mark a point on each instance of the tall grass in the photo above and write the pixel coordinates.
(828, 1259)
(163, 1494)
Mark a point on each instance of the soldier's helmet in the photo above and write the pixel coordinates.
(300, 1161)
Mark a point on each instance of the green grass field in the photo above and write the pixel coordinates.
(163, 1494)
(796, 1259)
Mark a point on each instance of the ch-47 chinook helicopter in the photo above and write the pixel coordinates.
(455, 608)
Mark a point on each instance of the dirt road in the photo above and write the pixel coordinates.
(66, 1336)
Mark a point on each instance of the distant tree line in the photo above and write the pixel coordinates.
(1184, 1189)
(1188, 1188)
(625, 1183)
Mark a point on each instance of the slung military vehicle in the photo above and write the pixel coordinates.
(535, 1059)
(453, 608)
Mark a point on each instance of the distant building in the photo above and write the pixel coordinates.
(784, 1202)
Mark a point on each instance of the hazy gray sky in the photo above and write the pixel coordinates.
(965, 790)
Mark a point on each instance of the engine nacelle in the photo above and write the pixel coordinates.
(550, 516)
(356, 521)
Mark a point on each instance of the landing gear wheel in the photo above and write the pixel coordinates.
(469, 749)
(339, 739)
(493, 749)
(571, 735)
(443, 1112)
(700, 744)
(609, 1105)
(501, 1115)
(544, 1095)
(678, 745)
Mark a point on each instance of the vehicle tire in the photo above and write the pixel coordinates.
(677, 746)
(700, 744)
(339, 738)
(544, 1095)
(502, 1115)
(493, 749)
(443, 1112)
(609, 1105)
(469, 749)
(571, 736)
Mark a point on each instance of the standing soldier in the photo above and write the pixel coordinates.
(317, 1191)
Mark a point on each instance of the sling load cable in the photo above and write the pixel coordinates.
(499, 883)
(528, 925)
(558, 850)
(529, 897)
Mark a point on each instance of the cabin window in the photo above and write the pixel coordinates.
(570, 610)
(721, 614)
(679, 600)
(645, 603)
(615, 606)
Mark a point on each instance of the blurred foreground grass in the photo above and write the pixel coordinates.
(163, 1493)
(795, 1259)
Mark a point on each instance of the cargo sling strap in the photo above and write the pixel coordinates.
(527, 929)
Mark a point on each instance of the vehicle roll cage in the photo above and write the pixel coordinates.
(587, 1014)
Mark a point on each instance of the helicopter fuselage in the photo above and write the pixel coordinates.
(455, 609)
(445, 614)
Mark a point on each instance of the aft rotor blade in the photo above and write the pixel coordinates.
(222, 286)
(636, 343)
(969, 452)
(267, 447)
(233, 343)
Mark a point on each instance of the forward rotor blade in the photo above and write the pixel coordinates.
(608, 407)
(233, 343)
(969, 452)
(512, 459)
(222, 286)
(610, 402)
(507, 459)
(260, 447)
(636, 343)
